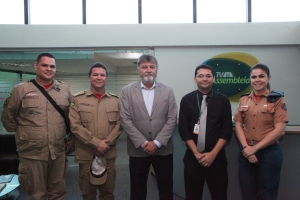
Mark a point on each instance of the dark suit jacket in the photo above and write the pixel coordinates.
(139, 126)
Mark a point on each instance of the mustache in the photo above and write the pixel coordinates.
(148, 74)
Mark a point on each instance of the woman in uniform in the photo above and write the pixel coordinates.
(260, 121)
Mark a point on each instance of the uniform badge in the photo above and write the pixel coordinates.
(57, 88)
(86, 104)
(72, 104)
(30, 112)
(283, 106)
(270, 105)
(30, 94)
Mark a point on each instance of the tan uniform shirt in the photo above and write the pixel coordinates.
(260, 116)
(39, 127)
(93, 120)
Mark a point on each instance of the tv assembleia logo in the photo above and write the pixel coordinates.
(224, 74)
(228, 78)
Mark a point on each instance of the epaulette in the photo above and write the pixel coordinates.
(247, 94)
(112, 94)
(274, 96)
(19, 84)
(63, 82)
(78, 93)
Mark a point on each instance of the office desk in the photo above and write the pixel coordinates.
(9, 191)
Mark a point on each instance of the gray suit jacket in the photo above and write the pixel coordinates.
(139, 126)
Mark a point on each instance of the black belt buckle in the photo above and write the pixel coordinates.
(252, 142)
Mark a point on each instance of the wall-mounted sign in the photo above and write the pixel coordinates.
(232, 73)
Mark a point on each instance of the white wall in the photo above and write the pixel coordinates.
(177, 66)
(149, 35)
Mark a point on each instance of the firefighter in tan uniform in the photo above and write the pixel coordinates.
(260, 121)
(95, 122)
(40, 131)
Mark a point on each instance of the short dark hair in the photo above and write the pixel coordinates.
(263, 67)
(204, 66)
(147, 58)
(44, 54)
(98, 65)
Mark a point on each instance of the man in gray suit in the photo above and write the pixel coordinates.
(149, 117)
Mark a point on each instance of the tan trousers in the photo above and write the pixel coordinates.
(89, 191)
(43, 180)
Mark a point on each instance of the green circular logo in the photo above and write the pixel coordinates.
(232, 73)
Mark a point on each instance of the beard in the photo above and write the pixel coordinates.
(148, 79)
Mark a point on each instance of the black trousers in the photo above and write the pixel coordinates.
(195, 176)
(139, 171)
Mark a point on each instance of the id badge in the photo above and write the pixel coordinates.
(196, 129)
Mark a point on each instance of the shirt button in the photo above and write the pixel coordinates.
(253, 127)
(149, 132)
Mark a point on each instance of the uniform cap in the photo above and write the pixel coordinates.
(98, 171)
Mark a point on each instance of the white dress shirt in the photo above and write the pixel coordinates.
(148, 95)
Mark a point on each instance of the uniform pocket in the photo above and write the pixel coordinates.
(243, 111)
(86, 113)
(112, 113)
(267, 113)
(31, 139)
(66, 168)
(84, 178)
(30, 108)
(30, 103)
(25, 178)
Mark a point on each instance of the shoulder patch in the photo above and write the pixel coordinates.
(275, 96)
(79, 93)
(283, 106)
(19, 84)
(112, 94)
(247, 94)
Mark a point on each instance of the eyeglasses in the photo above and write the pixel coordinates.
(206, 76)
(259, 76)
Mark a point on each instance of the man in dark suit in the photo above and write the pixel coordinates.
(149, 117)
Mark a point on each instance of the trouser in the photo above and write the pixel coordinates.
(261, 180)
(88, 190)
(139, 171)
(43, 180)
(215, 175)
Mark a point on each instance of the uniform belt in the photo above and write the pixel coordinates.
(253, 142)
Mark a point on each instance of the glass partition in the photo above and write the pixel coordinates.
(72, 68)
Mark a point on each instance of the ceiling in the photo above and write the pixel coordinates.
(73, 62)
